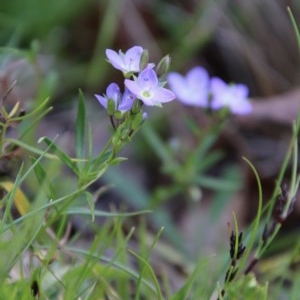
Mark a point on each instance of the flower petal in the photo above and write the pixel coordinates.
(232, 96)
(133, 87)
(147, 79)
(218, 86)
(132, 58)
(178, 85)
(126, 101)
(242, 108)
(113, 92)
(197, 76)
(242, 90)
(163, 95)
(102, 100)
(115, 59)
(191, 89)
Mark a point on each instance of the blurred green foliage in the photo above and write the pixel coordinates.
(25, 20)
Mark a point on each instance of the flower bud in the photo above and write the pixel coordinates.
(118, 115)
(145, 116)
(136, 107)
(137, 120)
(111, 107)
(144, 59)
(163, 66)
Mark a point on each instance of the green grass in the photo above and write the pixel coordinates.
(76, 225)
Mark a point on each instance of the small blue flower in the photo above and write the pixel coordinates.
(233, 96)
(122, 103)
(127, 100)
(147, 88)
(191, 89)
(126, 62)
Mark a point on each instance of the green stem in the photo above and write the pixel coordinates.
(258, 216)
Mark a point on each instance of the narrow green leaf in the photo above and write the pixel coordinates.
(90, 142)
(149, 268)
(217, 184)
(80, 127)
(60, 154)
(41, 107)
(91, 203)
(255, 228)
(117, 160)
(205, 146)
(41, 176)
(100, 213)
(118, 266)
(146, 257)
(101, 160)
(295, 27)
(211, 159)
(30, 148)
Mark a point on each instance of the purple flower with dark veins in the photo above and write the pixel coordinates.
(126, 62)
(233, 96)
(147, 88)
(191, 89)
(122, 103)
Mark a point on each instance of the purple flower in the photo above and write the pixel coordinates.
(145, 115)
(232, 96)
(122, 103)
(191, 89)
(127, 100)
(126, 62)
(147, 88)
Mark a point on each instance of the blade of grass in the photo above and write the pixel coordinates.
(257, 218)
(186, 288)
(146, 257)
(80, 127)
(149, 268)
(295, 26)
(115, 264)
(61, 154)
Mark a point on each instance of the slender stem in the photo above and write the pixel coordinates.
(2, 138)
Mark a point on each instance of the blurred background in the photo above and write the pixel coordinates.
(62, 48)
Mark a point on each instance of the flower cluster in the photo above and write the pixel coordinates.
(197, 89)
(141, 81)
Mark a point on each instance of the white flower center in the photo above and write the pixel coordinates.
(146, 94)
